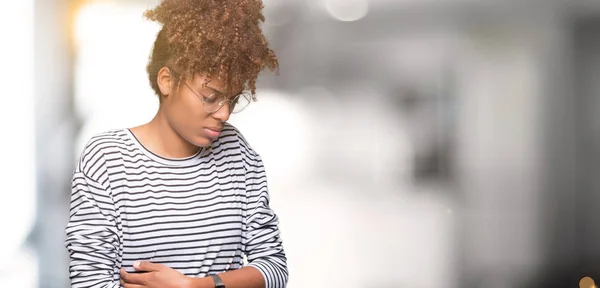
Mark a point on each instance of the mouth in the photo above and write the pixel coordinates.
(212, 132)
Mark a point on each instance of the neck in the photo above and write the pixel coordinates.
(159, 137)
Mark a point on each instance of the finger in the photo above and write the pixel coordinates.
(127, 285)
(147, 266)
(132, 278)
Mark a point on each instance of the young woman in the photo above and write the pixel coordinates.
(182, 201)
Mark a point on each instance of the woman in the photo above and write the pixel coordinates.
(182, 200)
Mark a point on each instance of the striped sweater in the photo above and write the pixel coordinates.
(201, 215)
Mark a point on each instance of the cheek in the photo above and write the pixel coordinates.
(189, 113)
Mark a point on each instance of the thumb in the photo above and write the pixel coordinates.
(146, 266)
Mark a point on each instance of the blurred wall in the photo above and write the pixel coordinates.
(571, 231)
(587, 44)
(56, 128)
(17, 174)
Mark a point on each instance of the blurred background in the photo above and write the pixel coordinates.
(408, 143)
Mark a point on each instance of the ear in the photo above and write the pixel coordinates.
(166, 81)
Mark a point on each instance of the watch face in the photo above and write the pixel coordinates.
(218, 281)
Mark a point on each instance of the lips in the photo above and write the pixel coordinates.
(212, 132)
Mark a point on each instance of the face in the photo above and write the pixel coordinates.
(185, 111)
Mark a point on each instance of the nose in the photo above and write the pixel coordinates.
(223, 113)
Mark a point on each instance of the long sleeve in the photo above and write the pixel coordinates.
(262, 242)
(91, 235)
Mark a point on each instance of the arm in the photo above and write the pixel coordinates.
(247, 277)
(161, 276)
(92, 238)
(261, 240)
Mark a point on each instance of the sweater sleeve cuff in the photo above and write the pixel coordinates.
(274, 277)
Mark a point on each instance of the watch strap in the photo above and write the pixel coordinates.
(218, 281)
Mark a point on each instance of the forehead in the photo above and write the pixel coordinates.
(215, 83)
(199, 79)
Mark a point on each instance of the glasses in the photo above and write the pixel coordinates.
(215, 101)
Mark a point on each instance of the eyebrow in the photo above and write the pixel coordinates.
(219, 91)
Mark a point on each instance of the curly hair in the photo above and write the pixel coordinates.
(215, 37)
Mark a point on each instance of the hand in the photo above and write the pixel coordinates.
(157, 276)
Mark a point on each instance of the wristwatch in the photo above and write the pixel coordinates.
(218, 281)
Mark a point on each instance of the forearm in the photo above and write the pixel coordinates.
(108, 284)
(246, 277)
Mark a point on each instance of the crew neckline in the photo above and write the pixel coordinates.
(191, 160)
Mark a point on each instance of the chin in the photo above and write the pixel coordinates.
(200, 141)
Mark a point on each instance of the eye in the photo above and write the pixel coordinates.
(213, 98)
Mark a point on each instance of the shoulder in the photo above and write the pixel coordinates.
(231, 134)
(93, 155)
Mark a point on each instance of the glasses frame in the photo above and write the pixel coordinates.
(203, 98)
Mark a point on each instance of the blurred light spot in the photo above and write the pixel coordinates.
(347, 10)
(449, 211)
(587, 282)
(89, 23)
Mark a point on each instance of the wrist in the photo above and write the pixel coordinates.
(205, 282)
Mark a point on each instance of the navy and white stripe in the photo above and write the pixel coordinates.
(200, 215)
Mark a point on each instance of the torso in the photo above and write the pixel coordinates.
(184, 213)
